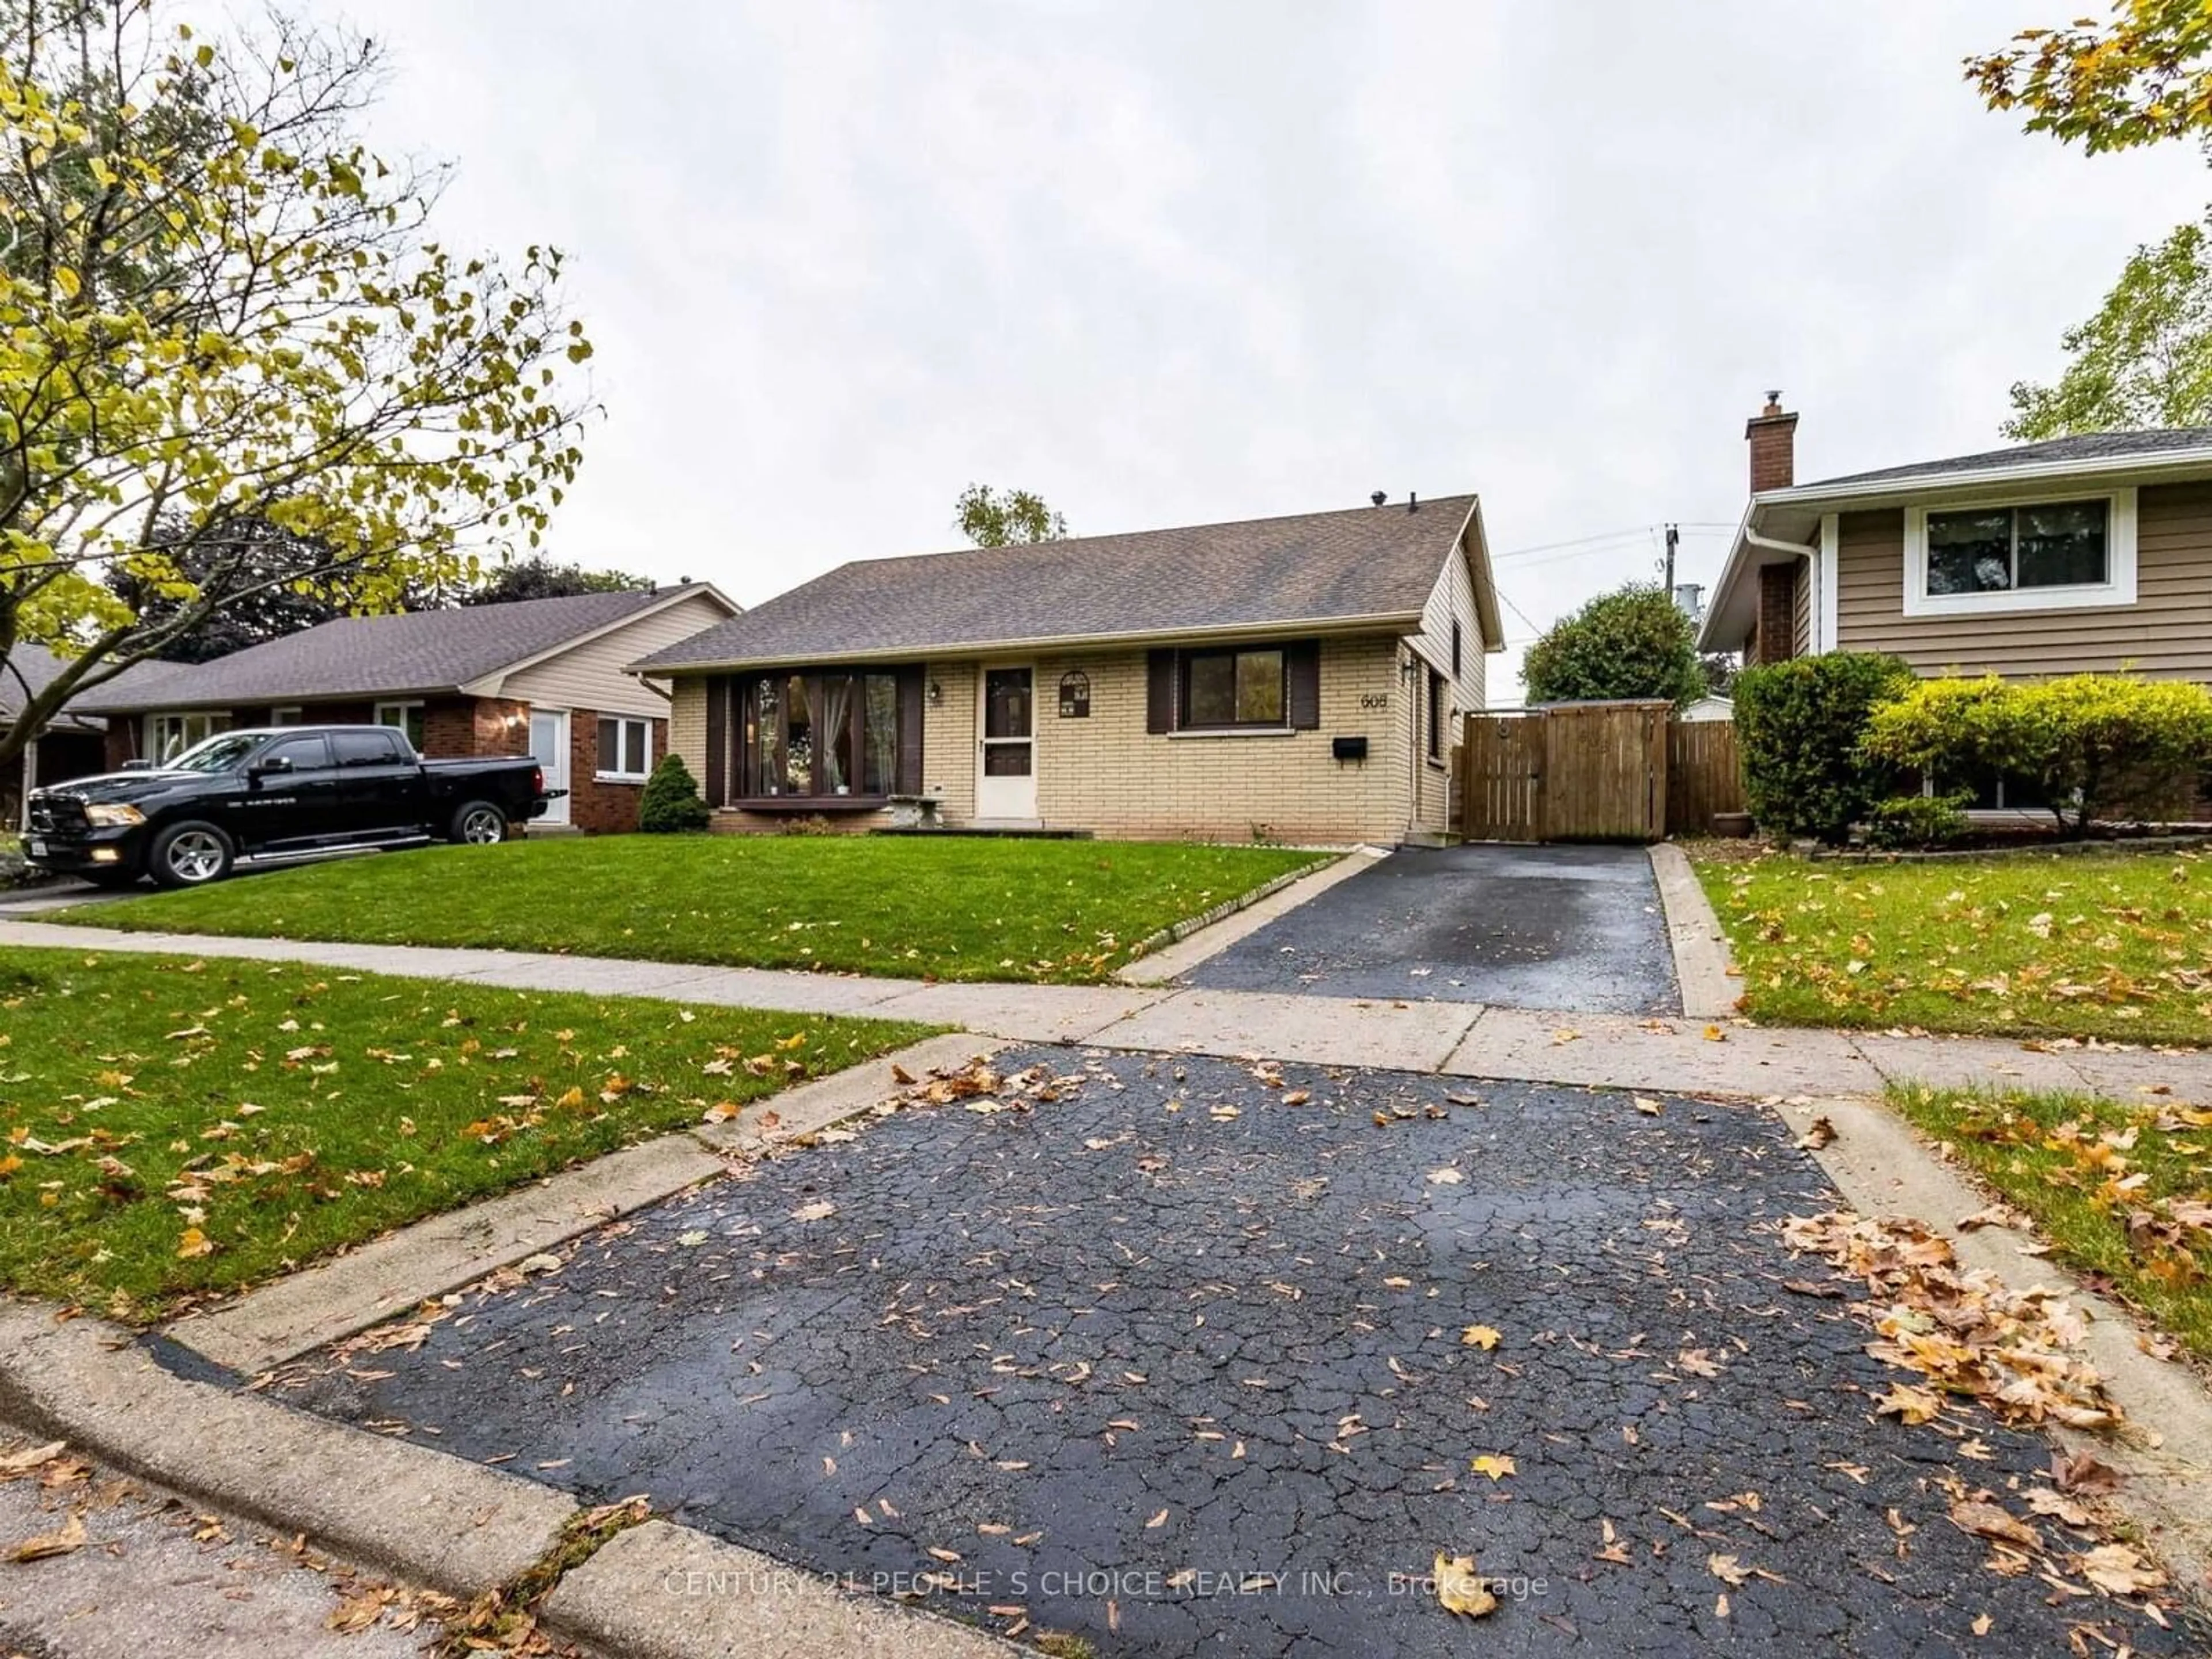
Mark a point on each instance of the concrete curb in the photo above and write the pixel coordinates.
(1701, 948)
(334, 1299)
(1155, 964)
(660, 1591)
(402, 1508)
(1882, 1166)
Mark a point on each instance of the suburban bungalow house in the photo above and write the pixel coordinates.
(1294, 678)
(2080, 555)
(72, 745)
(546, 678)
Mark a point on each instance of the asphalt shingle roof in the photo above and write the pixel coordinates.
(415, 651)
(2088, 447)
(35, 666)
(1309, 567)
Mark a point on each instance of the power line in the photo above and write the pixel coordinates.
(1576, 550)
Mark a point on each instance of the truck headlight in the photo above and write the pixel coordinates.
(108, 817)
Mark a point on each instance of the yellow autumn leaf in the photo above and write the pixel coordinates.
(1910, 1404)
(571, 1100)
(1479, 1336)
(1496, 1468)
(194, 1242)
(1459, 1586)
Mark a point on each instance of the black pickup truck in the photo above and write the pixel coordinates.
(272, 796)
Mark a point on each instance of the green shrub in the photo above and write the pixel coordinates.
(1798, 727)
(1636, 642)
(2093, 745)
(1904, 820)
(671, 804)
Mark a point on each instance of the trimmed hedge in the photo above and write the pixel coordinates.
(2095, 745)
(1799, 726)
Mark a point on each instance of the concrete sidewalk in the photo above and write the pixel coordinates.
(1461, 1039)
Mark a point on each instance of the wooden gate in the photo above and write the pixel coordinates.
(1501, 791)
(1704, 776)
(1594, 771)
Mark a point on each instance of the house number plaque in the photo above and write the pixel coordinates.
(1075, 695)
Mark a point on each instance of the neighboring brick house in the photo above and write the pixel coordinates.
(539, 677)
(71, 744)
(1295, 679)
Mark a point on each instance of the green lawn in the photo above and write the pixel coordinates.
(2108, 944)
(2123, 1192)
(956, 908)
(178, 1127)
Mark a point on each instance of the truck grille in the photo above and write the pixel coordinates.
(59, 815)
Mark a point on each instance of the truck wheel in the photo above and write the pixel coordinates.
(479, 824)
(190, 854)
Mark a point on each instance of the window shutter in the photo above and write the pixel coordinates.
(1160, 692)
(716, 781)
(910, 684)
(1302, 661)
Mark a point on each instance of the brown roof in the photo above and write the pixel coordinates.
(413, 652)
(1323, 569)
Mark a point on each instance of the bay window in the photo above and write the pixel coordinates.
(825, 735)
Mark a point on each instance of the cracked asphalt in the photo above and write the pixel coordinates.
(1175, 1361)
(1553, 926)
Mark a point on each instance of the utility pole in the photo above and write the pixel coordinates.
(1673, 538)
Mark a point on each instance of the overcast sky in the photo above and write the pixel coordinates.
(1205, 259)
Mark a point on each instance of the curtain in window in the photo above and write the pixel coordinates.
(836, 725)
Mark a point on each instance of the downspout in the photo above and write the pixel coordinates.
(1811, 555)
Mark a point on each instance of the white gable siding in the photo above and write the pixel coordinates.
(1452, 599)
(590, 675)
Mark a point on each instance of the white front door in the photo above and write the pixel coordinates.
(1005, 775)
(549, 747)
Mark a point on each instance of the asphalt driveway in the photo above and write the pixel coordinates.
(1176, 1361)
(1571, 928)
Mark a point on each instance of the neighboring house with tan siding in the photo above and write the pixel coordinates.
(2079, 554)
(546, 677)
(1297, 679)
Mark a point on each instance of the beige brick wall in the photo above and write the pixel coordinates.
(1108, 774)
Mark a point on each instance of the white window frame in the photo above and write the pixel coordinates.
(384, 714)
(218, 720)
(2118, 587)
(645, 744)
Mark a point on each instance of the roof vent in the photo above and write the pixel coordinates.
(1380, 496)
(1412, 500)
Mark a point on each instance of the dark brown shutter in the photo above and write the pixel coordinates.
(716, 782)
(1160, 692)
(910, 691)
(1302, 661)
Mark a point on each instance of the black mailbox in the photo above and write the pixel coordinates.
(1348, 748)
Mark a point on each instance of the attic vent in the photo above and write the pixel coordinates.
(1412, 501)
(1379, 497)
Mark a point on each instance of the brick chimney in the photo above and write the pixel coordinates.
(1773, 435)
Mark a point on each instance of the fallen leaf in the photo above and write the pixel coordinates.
(1714, 1034)
(1459, 1586)
(1479, 1336)
(1446, 1177)
(1496, 1468)
(1697, 1361)
(1989, 1521)
(2118, 1570)
(1910, 1404)
(2080, 1472)
(67, 1541)
(1818, 1133)
(1646, 1105)
(820, 1209)
(1159, 1520)
(1728, 1570)
(17, 1462)
(194, 1242)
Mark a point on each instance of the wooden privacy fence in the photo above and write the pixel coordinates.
(1595, 771)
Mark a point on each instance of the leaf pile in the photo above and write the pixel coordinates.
(1967, 1332)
